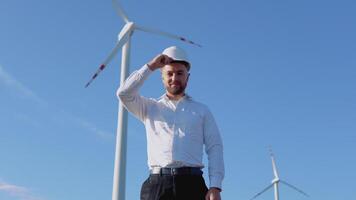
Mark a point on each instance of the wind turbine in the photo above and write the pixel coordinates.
(124, 41)
(276, 181)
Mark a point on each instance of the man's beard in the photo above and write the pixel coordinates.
(176, 90)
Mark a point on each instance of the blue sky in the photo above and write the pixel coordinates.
(279, 73)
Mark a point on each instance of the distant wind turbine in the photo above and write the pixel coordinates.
(276, 181)
(124, 41)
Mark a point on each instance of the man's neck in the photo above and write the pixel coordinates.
(175, 97)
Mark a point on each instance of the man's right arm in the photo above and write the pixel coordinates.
(128, 92)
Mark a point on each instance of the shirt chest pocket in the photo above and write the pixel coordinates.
(191, 124)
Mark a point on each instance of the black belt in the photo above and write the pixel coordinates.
(177, 171)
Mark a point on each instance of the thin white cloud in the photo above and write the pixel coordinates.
(93, 128)
(23, 118)
(10, 81)
(18, 192)
(24, 91)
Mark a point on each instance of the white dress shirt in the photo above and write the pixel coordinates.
(176, 131)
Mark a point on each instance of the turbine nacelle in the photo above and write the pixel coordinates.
(275, 180)
(126, 30)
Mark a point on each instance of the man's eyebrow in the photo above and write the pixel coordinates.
(174, 71)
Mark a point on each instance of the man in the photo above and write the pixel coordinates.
(177, 128)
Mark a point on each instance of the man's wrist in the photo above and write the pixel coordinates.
(216, 188)
(150, 67)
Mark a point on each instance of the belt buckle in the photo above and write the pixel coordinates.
(174, 171)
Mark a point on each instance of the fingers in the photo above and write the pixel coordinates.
(212, 195)
(164, 59)
(207, 196)
(159, 61)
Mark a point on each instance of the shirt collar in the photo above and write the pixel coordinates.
(185, 97)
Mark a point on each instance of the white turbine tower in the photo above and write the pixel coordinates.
(276, 181)
(124, 40)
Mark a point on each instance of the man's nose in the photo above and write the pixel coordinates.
(174, 77)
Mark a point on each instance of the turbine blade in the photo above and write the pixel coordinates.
(295, 188)
(170, 35)
(275, 172)
(264, 190)
(118, 45)
(120, 11)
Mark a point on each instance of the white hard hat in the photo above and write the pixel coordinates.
(177, 54)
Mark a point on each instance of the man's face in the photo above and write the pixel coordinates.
(175, 78)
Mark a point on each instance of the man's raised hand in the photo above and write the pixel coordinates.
(159, 61)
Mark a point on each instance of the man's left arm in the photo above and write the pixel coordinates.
(214, 150)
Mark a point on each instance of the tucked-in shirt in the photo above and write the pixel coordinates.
(176, 132)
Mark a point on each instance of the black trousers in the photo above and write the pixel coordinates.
(174, 187)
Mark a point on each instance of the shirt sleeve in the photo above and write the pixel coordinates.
(129, 96)
(214, 150)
